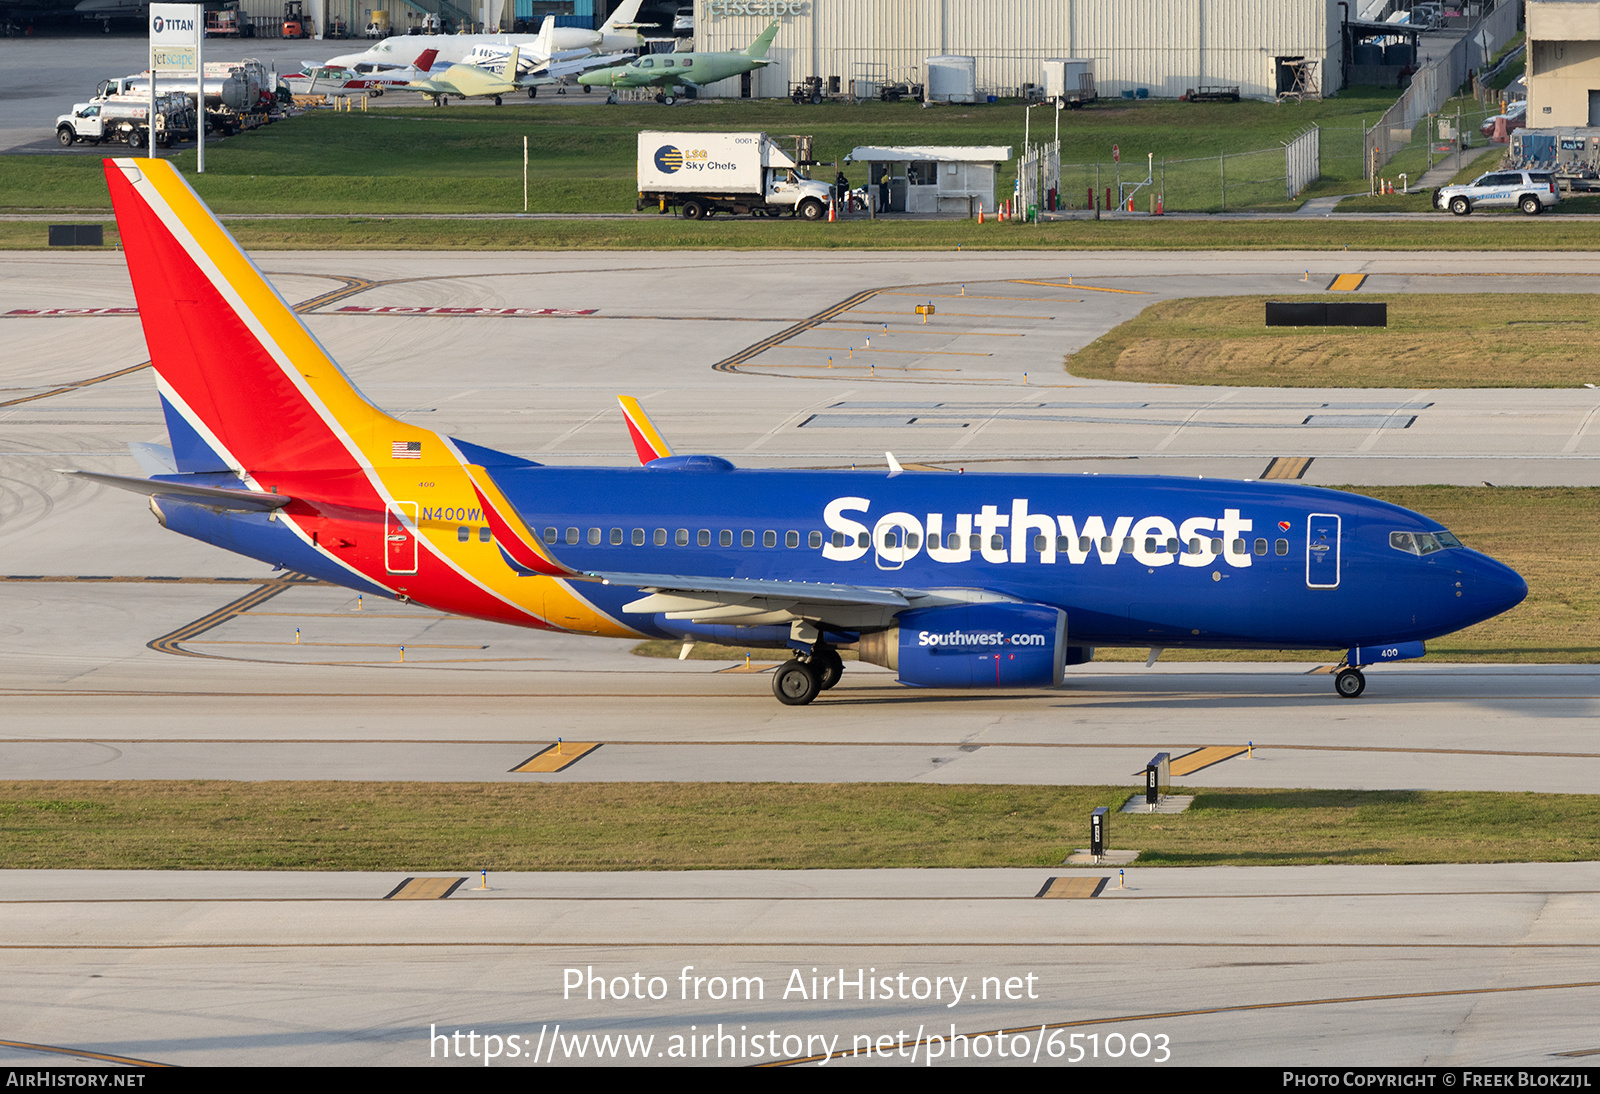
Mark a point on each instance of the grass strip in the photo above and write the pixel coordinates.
(1432, 340)
(650, 232)
(212, 825)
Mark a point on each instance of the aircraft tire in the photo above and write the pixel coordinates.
(1350, 683)
(795, 684)
(668, 100)
(497, 100)
(829, 667)
(587, 89)
(533, 92)
(611, 99)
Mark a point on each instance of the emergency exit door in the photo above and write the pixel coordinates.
(1322, 551)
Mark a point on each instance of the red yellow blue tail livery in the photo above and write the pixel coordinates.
(974, 581)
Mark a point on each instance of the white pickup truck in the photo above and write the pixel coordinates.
(118, 118)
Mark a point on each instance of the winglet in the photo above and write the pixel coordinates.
(894, 465)
(425, 60)
(647, 442)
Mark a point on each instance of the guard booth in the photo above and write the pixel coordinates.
(937, 179)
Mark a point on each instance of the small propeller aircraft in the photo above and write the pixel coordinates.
(671, 70)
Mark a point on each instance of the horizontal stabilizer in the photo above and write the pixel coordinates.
(219, 497)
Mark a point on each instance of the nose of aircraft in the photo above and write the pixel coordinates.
(1493, 587)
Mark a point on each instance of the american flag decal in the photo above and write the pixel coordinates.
(407, 450)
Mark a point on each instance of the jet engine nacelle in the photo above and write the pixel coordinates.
(975, 646)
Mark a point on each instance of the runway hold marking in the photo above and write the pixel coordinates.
(459, 313)
(1072, 888)
(1202, 758)
(54, 578)
(65, 313)
(425, 888)
(1083, 288)
(1346, 282)
(130, 1061)
(1287, 467)
(351, 286)
(556, 757)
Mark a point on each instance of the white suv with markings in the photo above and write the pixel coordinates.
(1531, 191)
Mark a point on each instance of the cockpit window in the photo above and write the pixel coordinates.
(1422, 543)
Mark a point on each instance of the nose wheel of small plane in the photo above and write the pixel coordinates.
(1350, 683)
(795, 683)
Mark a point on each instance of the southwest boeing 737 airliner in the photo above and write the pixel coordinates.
(965, 581)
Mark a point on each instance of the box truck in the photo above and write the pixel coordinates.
(706, 173)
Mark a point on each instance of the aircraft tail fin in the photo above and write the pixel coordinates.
(758, 48)
(244, 385)
(647, 440)
(425, 60)
(623, 17)
(511, 70)
(545, 43)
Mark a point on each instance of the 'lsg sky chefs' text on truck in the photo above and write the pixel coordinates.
(705, 173)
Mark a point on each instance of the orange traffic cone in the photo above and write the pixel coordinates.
(1160, 205)
(832, 216)
(980, 212)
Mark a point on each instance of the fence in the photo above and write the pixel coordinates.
(1436, 81)
(1228, 180)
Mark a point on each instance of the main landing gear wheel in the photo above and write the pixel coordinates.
(795, 684)
(497, 100)
(533, 92)
(1350, 684)
(668, 100)
(829, 667)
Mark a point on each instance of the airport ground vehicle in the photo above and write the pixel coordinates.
(1530, 191)
(238, 93)
(126, 118)
(707, 173)
(953, 581)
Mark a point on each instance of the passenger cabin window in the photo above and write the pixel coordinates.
(747, 538)
(616, 537)
(725, 537)
(594, 535)
(549, 535)
(572, 535)
(770, 539)
(485, 535)
(682, 537)
(661, 537)
(1261, 546)
(638, 537)
(815, 540)
(703, 537)
(463, 533)
(1282, 547)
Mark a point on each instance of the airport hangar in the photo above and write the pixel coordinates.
(1166, 47)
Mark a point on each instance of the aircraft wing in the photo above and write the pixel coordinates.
(219, 497)
(753, 601)
(556, 70)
